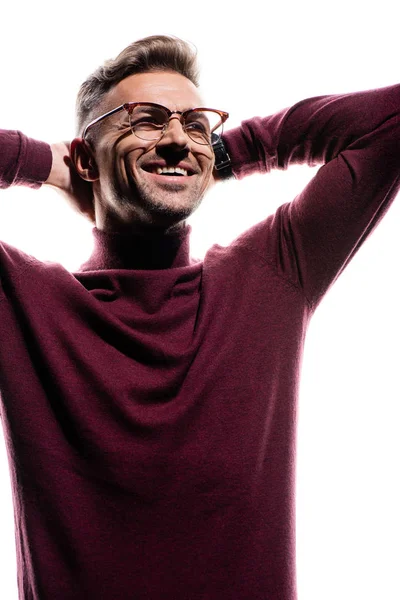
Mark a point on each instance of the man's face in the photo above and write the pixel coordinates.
(129, 194)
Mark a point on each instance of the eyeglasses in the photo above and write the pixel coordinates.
(149, 121)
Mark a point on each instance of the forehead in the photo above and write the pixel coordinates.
(170, 89)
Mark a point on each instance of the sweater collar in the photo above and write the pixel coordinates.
(139, 251)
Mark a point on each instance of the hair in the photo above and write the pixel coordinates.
(153, 53)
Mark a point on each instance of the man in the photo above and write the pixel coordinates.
(149, 399)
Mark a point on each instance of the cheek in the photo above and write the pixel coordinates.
(113, 175)
(117, 157)
(210, 166)
(130, 161)
(117, 166)
(206, 161)
(105, 161)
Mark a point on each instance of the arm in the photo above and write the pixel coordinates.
(28, 162)
(357, 137)
(313, 131)
(23, 161)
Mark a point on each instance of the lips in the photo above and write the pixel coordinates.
(168, 179)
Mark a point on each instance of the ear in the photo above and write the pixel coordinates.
(84, 161)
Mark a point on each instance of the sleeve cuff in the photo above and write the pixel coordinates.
(23, 160)
(35, 163)
(243, 163)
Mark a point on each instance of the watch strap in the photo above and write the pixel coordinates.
(222, 160)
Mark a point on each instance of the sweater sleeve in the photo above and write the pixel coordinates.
(357, 139)
(23, 160)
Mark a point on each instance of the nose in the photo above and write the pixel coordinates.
(174, 134)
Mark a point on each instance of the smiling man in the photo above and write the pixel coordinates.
(157, 177)
(149, 400)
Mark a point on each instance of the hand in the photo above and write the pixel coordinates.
(64, 177)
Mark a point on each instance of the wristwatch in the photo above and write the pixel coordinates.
(222, 160)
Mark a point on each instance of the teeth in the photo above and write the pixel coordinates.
(159, 171)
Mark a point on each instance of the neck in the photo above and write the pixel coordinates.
(152, 250)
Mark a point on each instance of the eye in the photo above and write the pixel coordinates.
(196, 126)
(148, 120)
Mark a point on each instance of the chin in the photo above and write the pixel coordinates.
(173, 202)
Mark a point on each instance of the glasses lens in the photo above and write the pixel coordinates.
(148, 122)
(200, 126)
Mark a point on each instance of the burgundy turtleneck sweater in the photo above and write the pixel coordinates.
(149, 400)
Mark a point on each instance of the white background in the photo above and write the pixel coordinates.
(254, 61)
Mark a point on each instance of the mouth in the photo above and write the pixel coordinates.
(168, 174)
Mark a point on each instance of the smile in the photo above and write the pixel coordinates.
(169, 171)
(169, 176)
(182, 170)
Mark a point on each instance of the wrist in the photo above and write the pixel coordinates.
(222, 166)
(58, 172)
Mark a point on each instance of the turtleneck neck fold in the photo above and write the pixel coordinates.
(139, 251)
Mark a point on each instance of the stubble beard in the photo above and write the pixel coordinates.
(168, 206)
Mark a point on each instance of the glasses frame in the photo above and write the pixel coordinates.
(129, 106)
